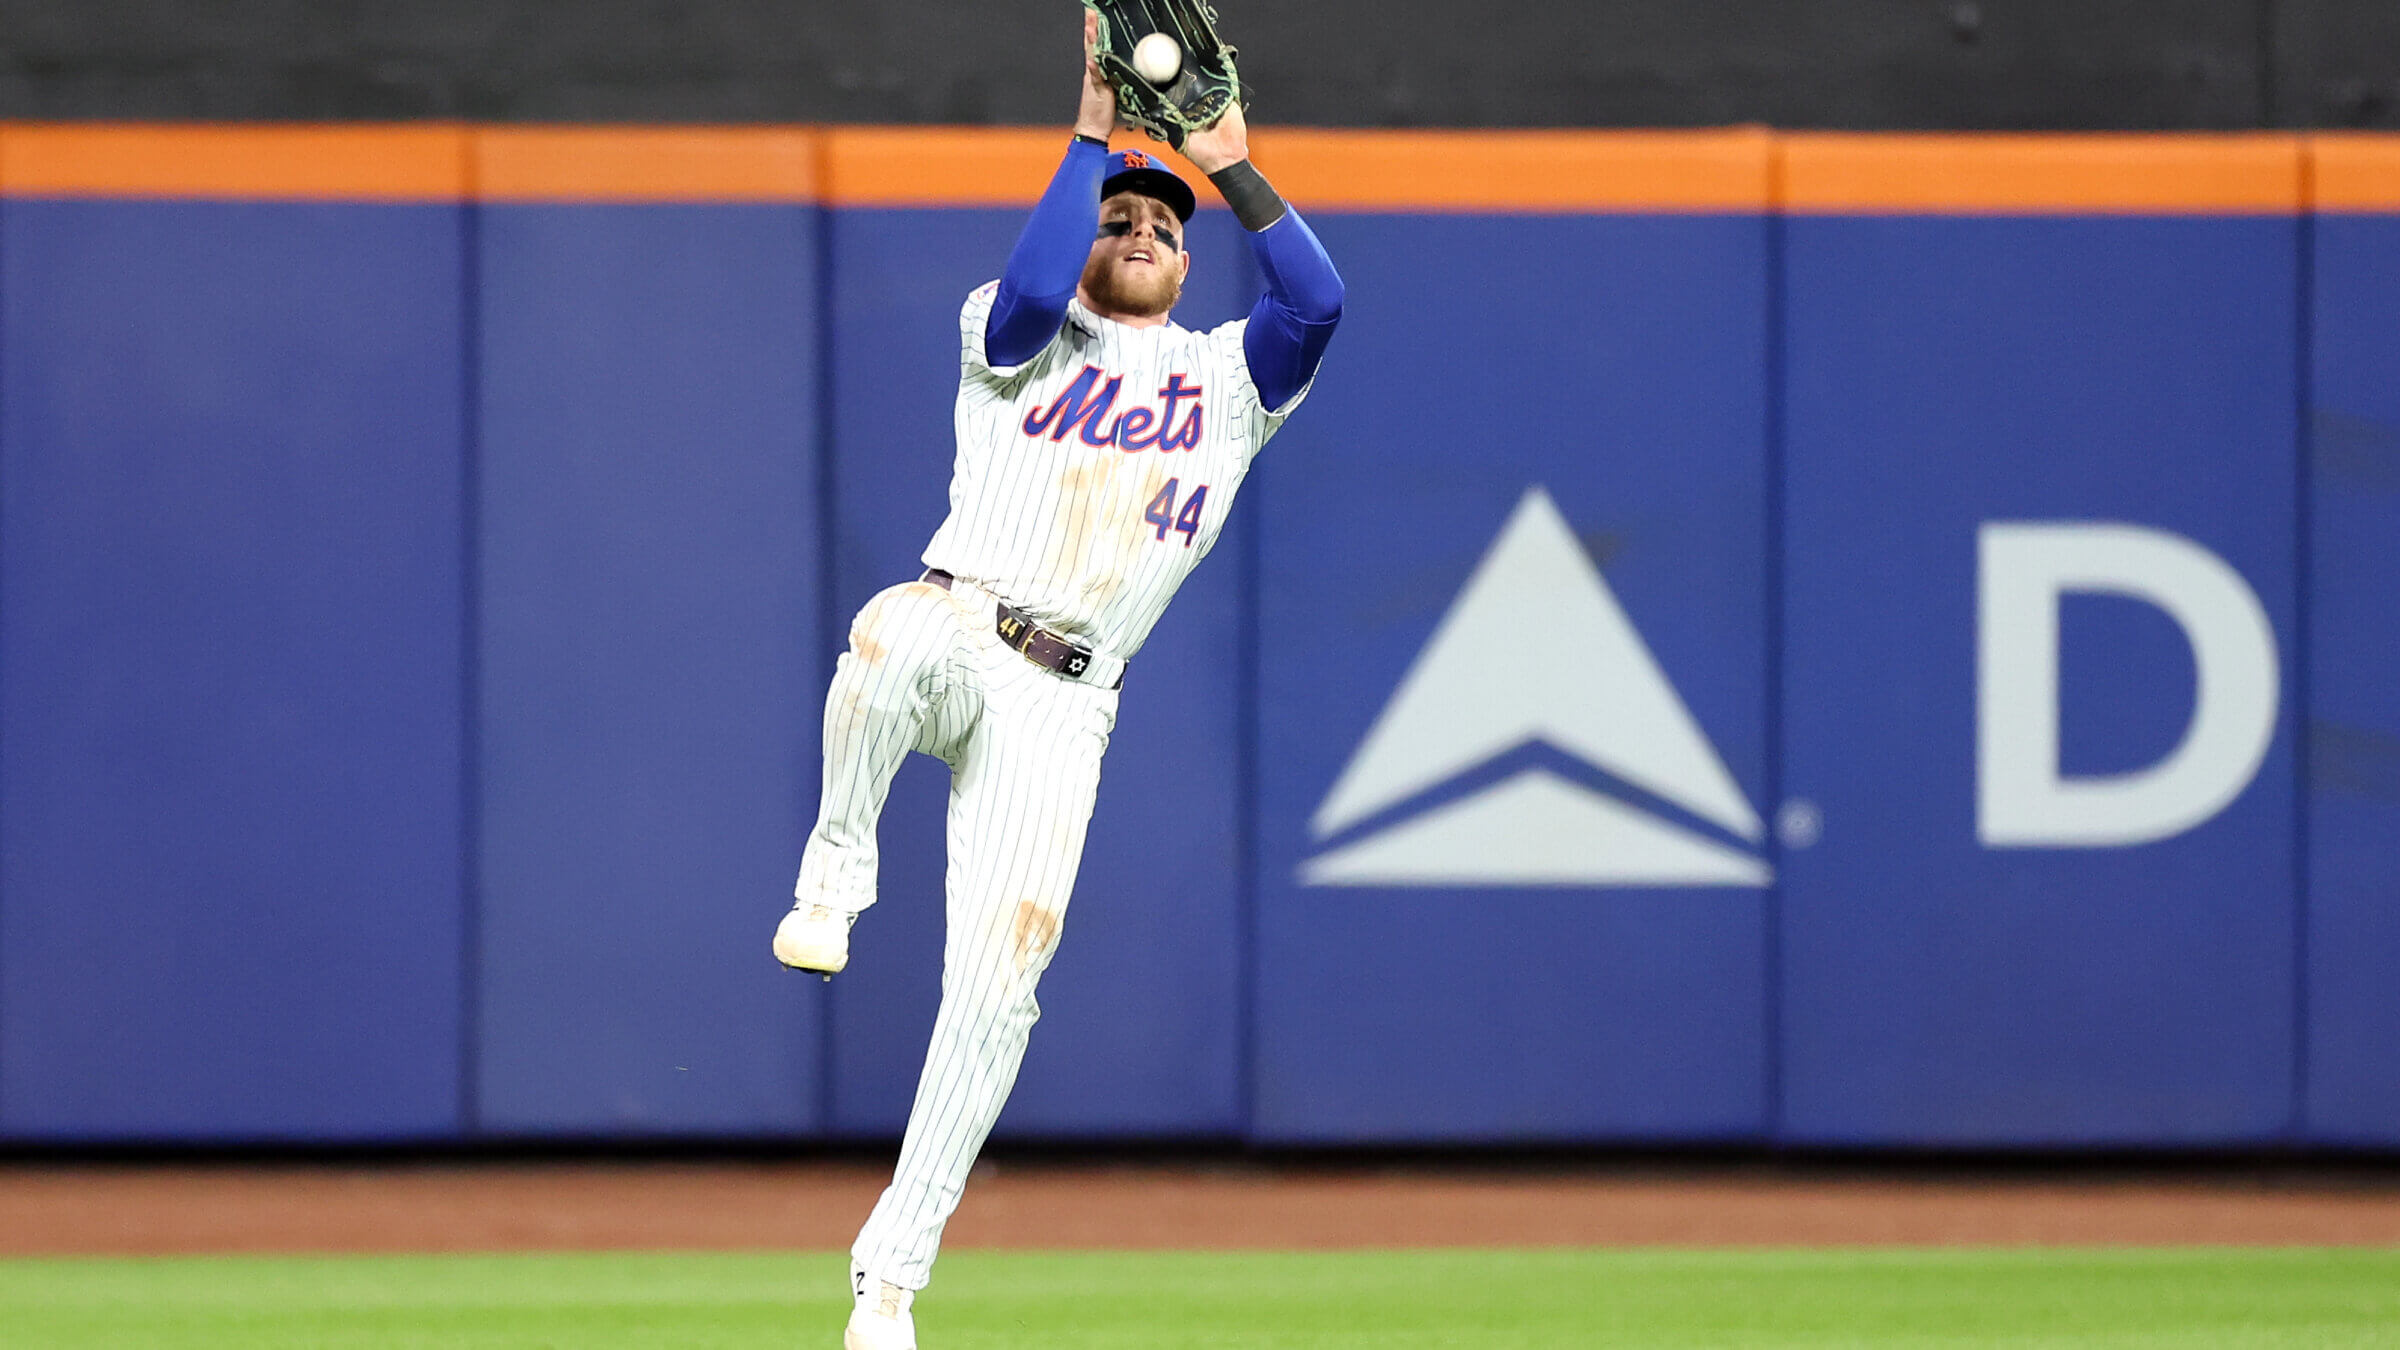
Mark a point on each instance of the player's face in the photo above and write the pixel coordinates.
(1138, 263)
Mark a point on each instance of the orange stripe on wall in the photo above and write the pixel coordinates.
(1520, 171)
(356, 163)
(1336, 170)
(2041, 175)
(947, 166)
(647, 164)
(1399, 171)
(2355, 172)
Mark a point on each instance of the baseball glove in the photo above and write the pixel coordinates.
(1201, 91)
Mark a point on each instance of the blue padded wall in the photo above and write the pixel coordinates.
(2354, 680)
(649, 666)
(1431, 995)
(230, 855)
(1141, 1008)
(1944, 373)
(414, 627)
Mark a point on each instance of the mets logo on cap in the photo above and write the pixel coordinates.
(1148, 175)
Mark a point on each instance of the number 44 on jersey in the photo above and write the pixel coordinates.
(1162, 513)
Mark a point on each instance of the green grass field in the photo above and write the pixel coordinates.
(2181, 1298)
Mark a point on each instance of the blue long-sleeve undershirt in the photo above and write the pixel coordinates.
(1292, 322)
(1048, 260)
(1289, 326)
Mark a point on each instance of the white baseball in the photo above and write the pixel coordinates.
(1157, 59)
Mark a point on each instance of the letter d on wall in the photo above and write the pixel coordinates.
(2020, 799)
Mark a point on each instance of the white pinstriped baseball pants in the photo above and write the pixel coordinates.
(925, 671)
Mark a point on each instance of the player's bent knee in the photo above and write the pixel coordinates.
(903, 627)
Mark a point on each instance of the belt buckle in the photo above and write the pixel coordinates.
(1020, 634)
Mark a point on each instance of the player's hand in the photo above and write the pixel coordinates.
(1221, 144)
(1097, 117)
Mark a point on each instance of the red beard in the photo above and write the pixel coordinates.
(1112, 292)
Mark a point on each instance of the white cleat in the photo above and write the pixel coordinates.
(814, 938)
(881, 1319)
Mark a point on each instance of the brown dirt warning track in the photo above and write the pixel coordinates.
(48, 1209)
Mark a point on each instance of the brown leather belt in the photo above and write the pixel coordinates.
(1030, 640)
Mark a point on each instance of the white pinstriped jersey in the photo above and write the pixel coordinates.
(1092, 478)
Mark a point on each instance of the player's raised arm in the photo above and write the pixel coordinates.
(1293, 321)
(1049, 257)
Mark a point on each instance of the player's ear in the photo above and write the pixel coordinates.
(1187, 266)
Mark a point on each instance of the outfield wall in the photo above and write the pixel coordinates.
(1807, 639)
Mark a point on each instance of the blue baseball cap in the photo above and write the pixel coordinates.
(1134, 171)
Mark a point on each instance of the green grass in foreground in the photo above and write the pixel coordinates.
(2182, 1298)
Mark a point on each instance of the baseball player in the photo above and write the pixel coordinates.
(1099, 447)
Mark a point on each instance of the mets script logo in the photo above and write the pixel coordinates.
(1580, 764)
(1087, 407)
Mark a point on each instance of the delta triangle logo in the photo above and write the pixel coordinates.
(1536, 652)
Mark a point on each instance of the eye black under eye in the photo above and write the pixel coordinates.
(1118, 229)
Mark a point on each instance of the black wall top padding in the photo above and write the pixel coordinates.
(1860, 64)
